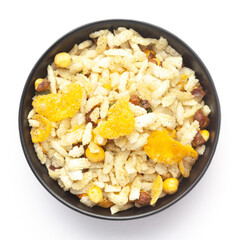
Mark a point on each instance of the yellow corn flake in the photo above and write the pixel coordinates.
(76, 128)
(120, 121)
(183, 81)
(156, 189)
(184, 77)
(58, 106)
(163, 149)
(107, 86)
(42, 132)
(82, 195)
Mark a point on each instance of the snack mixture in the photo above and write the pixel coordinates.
(119, 121)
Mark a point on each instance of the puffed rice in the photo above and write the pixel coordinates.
(109, 66)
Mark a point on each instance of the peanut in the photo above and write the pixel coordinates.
(144, 198)
(149, 53)
(134, 99)
(200, 138)
(202, 119)
(41, 85)
(198, 92)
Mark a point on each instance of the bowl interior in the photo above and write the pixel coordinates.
(190, 59)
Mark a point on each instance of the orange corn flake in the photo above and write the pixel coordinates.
(120, 121)
(185, 167)
(82, 195)
(42, 132)
(156, 189)
(58, 106)
(105, 203)
(162, 148)
(182, 169)
(149, 53)
(172, 133)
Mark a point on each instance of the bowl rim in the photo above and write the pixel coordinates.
(114, 217)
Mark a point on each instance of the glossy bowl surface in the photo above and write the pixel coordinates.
(190, 60)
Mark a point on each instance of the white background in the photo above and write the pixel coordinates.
(211, 28)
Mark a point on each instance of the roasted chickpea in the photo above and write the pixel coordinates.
(170, 185)
(62, 60)
(95, 194)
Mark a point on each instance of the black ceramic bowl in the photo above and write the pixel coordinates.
(65, 43)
